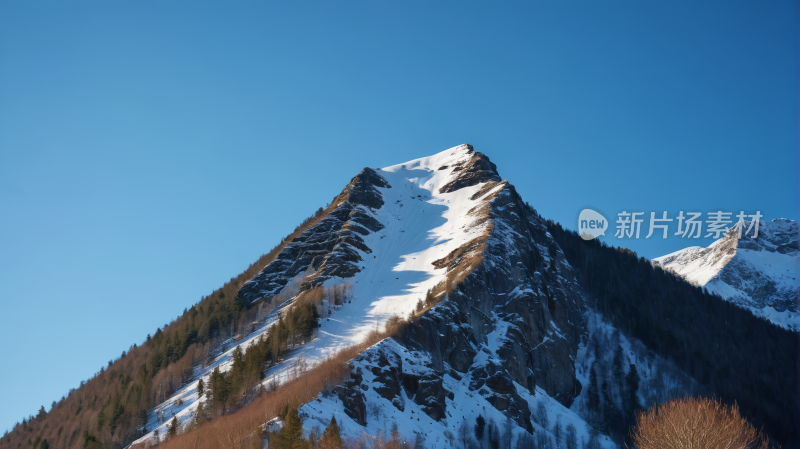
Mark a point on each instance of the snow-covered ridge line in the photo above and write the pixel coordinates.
(393, 225)
(761, 274)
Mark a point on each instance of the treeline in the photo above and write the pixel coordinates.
(617, 379)
(738, 356)
(292, 436)
(242, 427)
(239, 386)
(111, 407)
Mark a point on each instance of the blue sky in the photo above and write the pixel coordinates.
(151, 150)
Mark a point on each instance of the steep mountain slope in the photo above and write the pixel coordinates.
(441, 226)
(761, 274)
(431, 221)
(507, 312)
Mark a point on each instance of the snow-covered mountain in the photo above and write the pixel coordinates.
(510, 332)
(510, 317)
(510, 336)
(761, 274)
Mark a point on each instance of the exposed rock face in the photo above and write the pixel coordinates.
(331, 246)
(352, 397)
(479, 169)
(388, 373)
(495, 384)
(521, 305)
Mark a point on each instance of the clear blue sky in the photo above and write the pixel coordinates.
(151, 150)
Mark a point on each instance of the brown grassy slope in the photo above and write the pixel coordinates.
(241, 429)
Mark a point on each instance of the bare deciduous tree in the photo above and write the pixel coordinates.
(693, 422)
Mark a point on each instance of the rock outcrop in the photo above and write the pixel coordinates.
(331, 247)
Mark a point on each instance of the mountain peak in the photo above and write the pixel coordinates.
(460, 167)
(448, 157)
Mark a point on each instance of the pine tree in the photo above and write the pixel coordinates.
(571, 437)
(612, 422)
(508, 434)
(331, 438)
(480, 423)
(607, 404)
(314, 438)
(594, 441)
(494, 436)
(143, 420)
(199, 414)
(462, 433)
(291, 435)
(619, 374)
(593, 396)
(541, 415)
(200, 387)
(558, 431)
(173, 427)
(429, 299)
(525, 441)
(90, 441)
(632, 381)
(219, 387)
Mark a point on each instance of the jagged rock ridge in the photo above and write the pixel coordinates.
(330, 247)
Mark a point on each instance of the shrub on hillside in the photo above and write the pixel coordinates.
(695, 423)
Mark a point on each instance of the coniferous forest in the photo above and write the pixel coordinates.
(739, 357)
(736, 356)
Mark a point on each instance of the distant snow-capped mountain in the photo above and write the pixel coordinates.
(761, 274)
